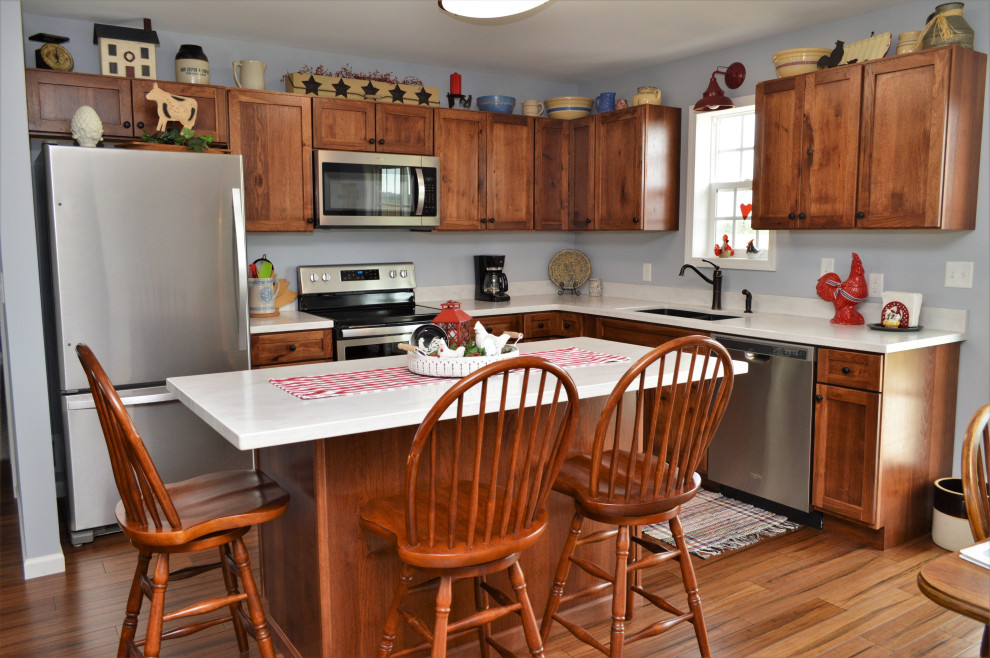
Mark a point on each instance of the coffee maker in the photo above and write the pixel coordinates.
(490, 282)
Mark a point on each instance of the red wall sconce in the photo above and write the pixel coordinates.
(714, 98)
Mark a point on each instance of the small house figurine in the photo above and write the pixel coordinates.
(127, 52)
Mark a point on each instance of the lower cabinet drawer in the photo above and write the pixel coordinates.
(498, 324)
(569, 325)
(291, 347)
(851, 369)
(539, 325)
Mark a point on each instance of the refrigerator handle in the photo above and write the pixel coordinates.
(240, 269)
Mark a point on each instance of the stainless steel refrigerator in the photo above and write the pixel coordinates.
(146, 256)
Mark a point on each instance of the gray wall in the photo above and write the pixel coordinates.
(909, 260)
(23, 349)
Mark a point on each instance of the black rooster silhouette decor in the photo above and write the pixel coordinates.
(832, 59)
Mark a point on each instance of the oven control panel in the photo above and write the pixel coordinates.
(374, 277)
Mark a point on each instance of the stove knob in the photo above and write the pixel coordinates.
(326, 277)
(403, 273)
(312, 277)
(391, 274)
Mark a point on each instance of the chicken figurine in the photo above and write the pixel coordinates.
(724, 251)
(488, 343)
(845, 294)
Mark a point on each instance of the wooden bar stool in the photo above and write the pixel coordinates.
(204, 512)
(976, 486)
(640, 471)
(476, 492)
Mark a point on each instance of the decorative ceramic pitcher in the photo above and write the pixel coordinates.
(646, 96)
(252, 74)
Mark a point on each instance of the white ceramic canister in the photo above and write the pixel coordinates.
(261, 296)
(191, 65)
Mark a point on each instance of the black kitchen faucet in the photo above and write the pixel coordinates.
(716, 282)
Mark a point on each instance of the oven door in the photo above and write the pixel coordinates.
(367, 345)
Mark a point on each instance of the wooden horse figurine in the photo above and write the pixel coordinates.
(172, 108)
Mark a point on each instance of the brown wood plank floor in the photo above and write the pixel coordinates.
(802, 594)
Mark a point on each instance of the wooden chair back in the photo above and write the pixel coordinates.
(976, 471)
(146, 501)
(486, 476)
(654, 455)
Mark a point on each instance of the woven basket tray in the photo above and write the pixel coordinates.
(434, 366)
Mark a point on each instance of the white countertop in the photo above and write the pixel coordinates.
(777, 326)
(252, 413)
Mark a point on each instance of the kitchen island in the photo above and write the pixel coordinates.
(328, 583)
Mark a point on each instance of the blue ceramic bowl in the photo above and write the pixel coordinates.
(505, 104)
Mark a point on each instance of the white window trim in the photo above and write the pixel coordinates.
(696, 238)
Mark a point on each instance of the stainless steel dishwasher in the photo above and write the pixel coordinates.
(763, 446)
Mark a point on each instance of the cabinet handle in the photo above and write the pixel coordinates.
(292, 348)
(491, 220)
(846, 370)
(489, 329)
(540, 325)
(587, 220)
(127, 124)
(567, 325)
(802, 216)
(140, 124)
(371, 141)
(310, 220)
(790, 215)
(860, 215)
(818, 398)
(381, 141)
(484, 221)
(635, 220)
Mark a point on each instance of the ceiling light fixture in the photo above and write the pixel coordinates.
(488, 8)
(714, 98)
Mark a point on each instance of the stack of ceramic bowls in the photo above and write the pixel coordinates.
(504, 104)
(798, 60)
(568, 107)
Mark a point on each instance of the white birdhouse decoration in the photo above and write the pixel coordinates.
(127, 52)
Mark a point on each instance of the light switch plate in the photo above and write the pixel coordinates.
(647, 272)
(958, 274)
(876, 284)
(828, 265)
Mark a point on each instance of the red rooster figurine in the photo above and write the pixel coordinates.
(845, 294)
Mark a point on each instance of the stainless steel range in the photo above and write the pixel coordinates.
(373, 306)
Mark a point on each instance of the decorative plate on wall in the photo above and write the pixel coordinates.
(569, 269)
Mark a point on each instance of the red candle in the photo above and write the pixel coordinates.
(455, 84)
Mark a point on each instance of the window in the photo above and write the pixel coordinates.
(720, 185)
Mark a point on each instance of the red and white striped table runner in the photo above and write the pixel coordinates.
(387, 379)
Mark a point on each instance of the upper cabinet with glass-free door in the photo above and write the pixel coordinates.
(890, 143)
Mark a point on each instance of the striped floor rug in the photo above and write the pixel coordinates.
(714, 523)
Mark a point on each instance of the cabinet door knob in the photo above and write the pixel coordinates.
(140, 124)
(381, 141)
(310, 220)
(860, 215)
(484, 221)
(127, 124)
(567, 325)
(818, 398)
(491, 220)
(846, 370)
(790, 215)
(371, 141)
(802, 216)
(540, 325)
(635, 220)
(292, 348)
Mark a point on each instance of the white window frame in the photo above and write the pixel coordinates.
(697, 242)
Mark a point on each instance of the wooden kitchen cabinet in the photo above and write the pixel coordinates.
(890, 143)
(637, 168)
(883, 434)
(486, 181)
(291, 347)
(640, 333)
(551, 201)
(273, 133)
(54, 96)
(581, 178)
(498, 324)
(355, 125)
(553, 324)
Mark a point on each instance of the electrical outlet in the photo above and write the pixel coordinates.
(876, 284)
(828, 265)
(647, 272)
(959, 274)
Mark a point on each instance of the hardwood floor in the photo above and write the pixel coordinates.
(805, 593)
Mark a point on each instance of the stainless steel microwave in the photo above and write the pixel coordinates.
(369, 190)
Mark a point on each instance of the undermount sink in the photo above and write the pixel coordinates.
(683, 313)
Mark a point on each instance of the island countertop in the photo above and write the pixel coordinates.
(250, 412)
